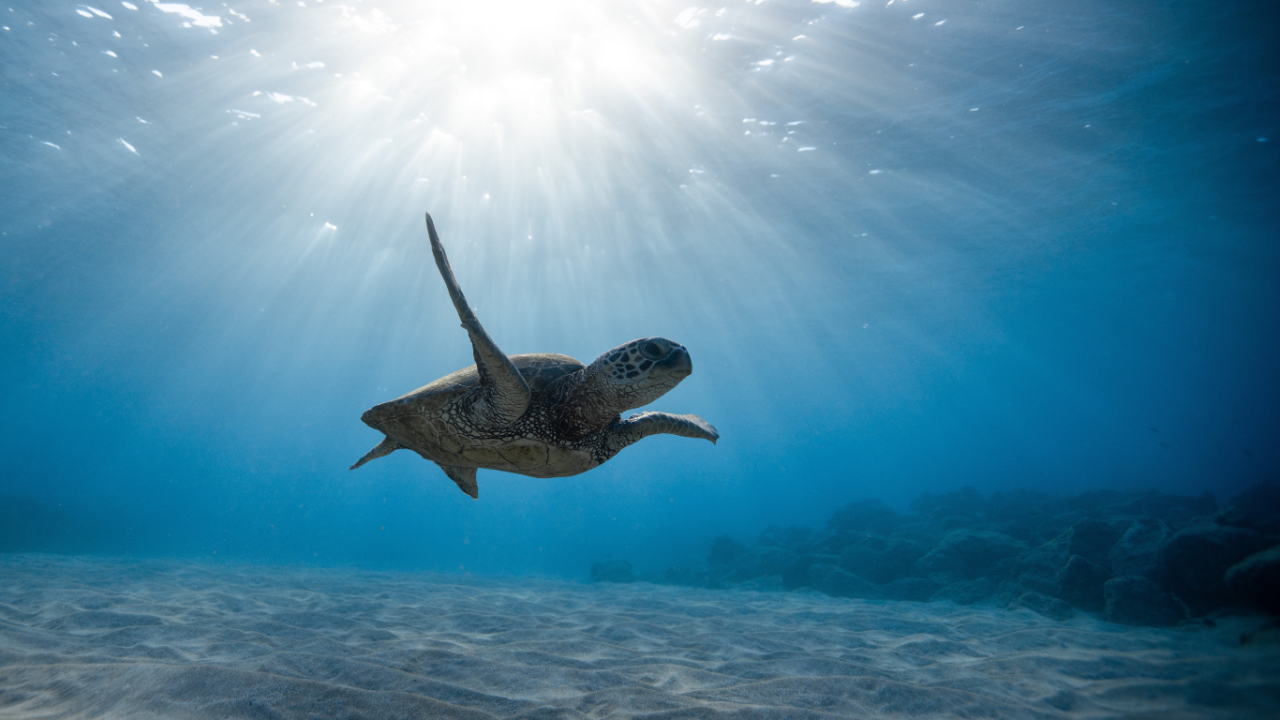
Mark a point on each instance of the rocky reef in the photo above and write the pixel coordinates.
(1134, 557)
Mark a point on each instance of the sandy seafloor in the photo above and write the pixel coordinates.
(86, 637)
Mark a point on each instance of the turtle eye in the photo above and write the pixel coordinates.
(652, 350)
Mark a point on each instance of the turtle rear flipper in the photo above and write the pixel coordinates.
(465, 477)
(382, 449)
(505, 393)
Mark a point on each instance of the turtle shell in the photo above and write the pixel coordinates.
(420, 421)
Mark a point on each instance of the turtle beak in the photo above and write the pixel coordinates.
(677, 363)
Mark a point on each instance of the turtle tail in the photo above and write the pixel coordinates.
(382, 449)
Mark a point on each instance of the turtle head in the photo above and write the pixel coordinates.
(639, 372)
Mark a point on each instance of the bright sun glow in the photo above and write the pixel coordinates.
(506, 61)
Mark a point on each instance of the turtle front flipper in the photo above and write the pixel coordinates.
(505, 394)
(638, 427)
(465, 477)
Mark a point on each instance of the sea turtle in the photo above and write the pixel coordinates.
(543, 414)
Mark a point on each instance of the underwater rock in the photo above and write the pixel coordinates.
(1139, 601)
(1028, 515)
(1092, 540)
(1139, 557)
(1137, 552)
(1080, 583)
(1041, 569)
(965, 501)
(865, 516)
(1034, 530)
(760, 561)
(612, 570)
(1049, 607)
(1018, 504)
(880, 560)
(1256, 579)
(833, 581)
(764, 583)
(1174, 509)
(898, 559)
(967, 592)
(796, 575)
(788, 537)
(965, 554)
(909, 588)
(1256, 508)
(1268, 634)
(865, 558)
(725, 551)
(1037, 569)
(1196, 558)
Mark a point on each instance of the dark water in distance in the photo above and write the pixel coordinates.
(1002, 244)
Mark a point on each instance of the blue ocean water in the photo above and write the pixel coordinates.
(910, 247)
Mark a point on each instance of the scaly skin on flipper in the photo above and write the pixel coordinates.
(465, 477)
(542, 415)
(506, 394)
(641, 426)
(382, 449)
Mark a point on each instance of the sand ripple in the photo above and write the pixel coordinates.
(91, 638)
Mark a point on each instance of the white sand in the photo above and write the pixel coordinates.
(133, 639)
